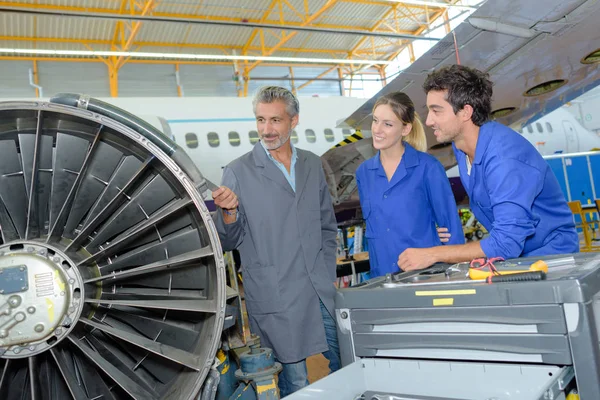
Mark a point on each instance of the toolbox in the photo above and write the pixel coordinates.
(531, 339)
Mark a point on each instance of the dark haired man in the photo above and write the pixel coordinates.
(511, 188)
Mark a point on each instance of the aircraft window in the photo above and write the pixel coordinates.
(329, 135)
(213, 139)
(346, 133)
(529, 128)
(548, 127)
(310, 136)
(539, 127)
(253, 135)
(294, 137)
(234, 138)
(191, 140)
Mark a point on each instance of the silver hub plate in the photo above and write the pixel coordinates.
(40, 298)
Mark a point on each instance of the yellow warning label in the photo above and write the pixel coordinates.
(458, 292)
(445, 301)
(355, 137)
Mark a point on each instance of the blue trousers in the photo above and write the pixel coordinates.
(294, 376)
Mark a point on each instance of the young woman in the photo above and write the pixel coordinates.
(404, 192)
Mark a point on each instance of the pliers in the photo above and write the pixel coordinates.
(480, 264)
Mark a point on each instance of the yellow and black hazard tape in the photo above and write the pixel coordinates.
(355, 137)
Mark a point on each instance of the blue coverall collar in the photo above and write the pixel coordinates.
(485, 136)
(409, 159)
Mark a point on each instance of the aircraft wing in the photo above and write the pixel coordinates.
(534, 52)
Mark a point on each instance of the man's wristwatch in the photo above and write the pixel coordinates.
(230, 212)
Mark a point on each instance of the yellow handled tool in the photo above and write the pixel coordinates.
(477, 274)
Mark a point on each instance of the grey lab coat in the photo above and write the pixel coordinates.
(287, 245)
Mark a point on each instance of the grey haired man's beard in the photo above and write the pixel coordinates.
(281, 143)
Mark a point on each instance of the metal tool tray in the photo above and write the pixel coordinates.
(390, 379)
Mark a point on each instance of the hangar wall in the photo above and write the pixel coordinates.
(153, 80)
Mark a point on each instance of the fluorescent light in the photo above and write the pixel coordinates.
(432, 4)
(178, 56)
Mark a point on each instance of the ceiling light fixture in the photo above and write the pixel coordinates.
(183, 56)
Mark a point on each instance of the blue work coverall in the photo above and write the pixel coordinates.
(516, 197)
(402, 213)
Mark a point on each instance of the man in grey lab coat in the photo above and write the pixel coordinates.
(275, 208)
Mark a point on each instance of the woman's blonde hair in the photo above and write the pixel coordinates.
(404, 109)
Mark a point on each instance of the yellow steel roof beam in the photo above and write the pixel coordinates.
(189, 27)
(419, 31)
(286, 38)
(265, 51)
(272, 33)
(104, 60)
(119, 38)
(100, 12)
(291, 7)
(304, 43)
(119, 34)
(387, 43)
(435, 16)
(262, 21)
(281, 16)
(415, 16)
(317, 77)
(411, 16)
(376, 26)
(369, 2)
(262, 41)
(394, 9)
(447, 22)
(148, 6)
(387, 3)
(372, 47)
(253, 34)
(36, 79)
(411, 53)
